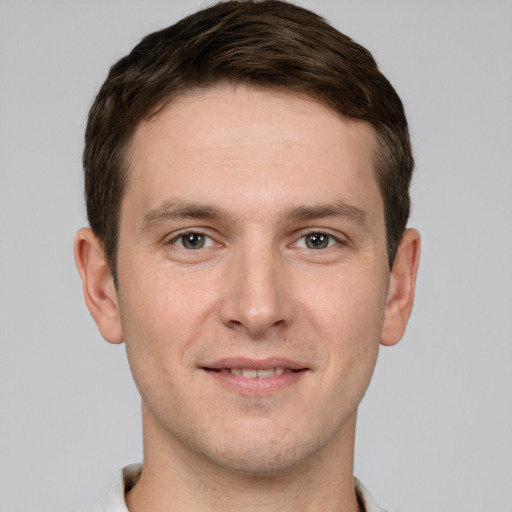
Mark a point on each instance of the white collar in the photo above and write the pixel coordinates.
(129, 475)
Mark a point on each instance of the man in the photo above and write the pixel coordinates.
(247, 175)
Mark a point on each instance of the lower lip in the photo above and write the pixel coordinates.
(257, 386)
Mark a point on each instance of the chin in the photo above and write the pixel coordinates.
(261, 460)
(265, 452)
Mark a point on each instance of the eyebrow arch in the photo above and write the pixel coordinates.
(339, 209)
(173, 210)
(177, 209)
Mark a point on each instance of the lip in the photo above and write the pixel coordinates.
(261, 364)
(256, 386)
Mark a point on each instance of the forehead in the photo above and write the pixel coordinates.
(232, 144)
(239, 105)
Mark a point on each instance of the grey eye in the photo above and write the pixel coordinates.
(193, 241)
(317, 241)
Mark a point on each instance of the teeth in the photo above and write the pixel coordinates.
(250, 373)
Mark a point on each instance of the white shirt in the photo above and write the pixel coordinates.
(128, 477)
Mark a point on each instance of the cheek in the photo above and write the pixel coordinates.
(162, 312)
(348, 306)
(158, 296)
(347, 317)
(155, 339)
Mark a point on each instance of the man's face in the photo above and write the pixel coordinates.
(252, 276)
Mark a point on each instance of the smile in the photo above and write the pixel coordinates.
(252, 373)
(256, 377)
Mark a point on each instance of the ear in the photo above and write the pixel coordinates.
(98, 284)
(401, 288)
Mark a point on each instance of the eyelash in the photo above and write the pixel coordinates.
(190, 232)
(331, 240)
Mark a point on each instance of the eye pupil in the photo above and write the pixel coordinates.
(193, 241)
(317, 241)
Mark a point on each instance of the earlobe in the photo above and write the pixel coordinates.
(401, 288)
(98, 285)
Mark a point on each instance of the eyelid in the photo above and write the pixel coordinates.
(171, 240)
(338, 238)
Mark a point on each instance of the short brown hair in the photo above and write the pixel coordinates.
(269, 44)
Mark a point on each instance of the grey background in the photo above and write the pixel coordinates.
(435, 429)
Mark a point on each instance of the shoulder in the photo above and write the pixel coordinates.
(366, 500)
(114, 501)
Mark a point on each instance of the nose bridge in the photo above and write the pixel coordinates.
(254, 296)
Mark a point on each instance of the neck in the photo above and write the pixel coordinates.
(176, 478)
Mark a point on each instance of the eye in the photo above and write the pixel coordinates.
(193, 240)
(316, 240)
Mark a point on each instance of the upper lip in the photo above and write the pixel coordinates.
(256, 364)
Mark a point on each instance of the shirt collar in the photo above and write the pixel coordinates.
(129, 475)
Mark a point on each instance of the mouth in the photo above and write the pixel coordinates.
(252, 373)
(256, 377)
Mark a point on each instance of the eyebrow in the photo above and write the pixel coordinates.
(173, 210)
(177, 209)
(339, 209)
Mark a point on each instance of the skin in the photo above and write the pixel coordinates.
(259, 177)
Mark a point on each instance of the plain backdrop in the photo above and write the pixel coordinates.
(435, 428)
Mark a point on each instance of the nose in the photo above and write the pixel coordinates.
(256, 298)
